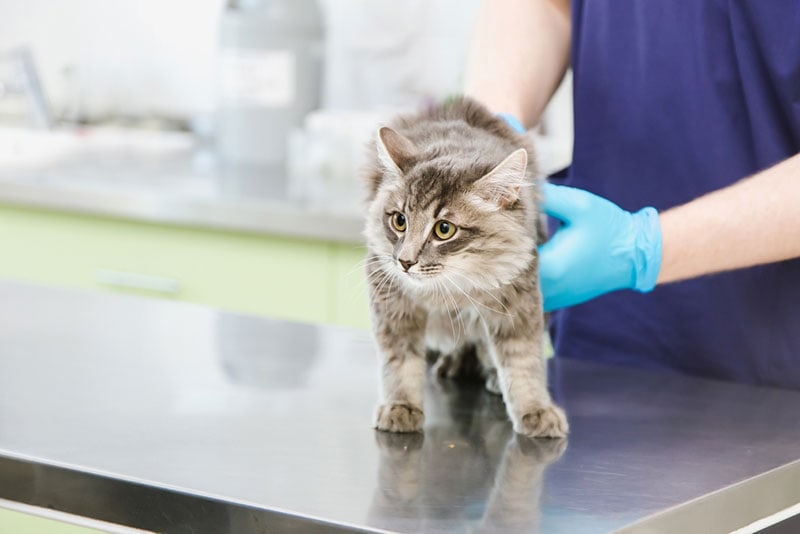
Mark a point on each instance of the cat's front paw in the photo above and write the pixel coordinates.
(399, 418)
(546, 422)
(543, 451)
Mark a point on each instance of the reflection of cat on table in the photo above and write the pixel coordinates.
(471, 468)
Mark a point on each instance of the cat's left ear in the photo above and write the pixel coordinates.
(502, 184)
(395, 152)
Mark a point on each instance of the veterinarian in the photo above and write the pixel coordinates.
(679, 232)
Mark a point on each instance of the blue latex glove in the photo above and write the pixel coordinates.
(514, 122)
(599, 248)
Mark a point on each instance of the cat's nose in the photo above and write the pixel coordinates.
(407, 264)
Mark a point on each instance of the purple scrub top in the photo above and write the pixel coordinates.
(673, 99)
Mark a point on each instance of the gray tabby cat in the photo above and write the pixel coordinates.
(451, 232)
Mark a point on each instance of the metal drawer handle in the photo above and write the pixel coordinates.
(122, 279)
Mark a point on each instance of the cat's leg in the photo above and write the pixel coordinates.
(483, 351)
(400, 484)
(441, 339)
(399, 335)
(471, 360)
(451, 336)
(514, 502)
(522, 370)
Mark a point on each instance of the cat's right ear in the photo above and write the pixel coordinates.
(501, 186)
(395, 152)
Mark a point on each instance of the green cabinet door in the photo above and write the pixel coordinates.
(349, 286)
(261, 274)
(12, 521)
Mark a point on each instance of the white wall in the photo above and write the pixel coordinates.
(102, 58)
(395, 53)
(142, 57)
(134, 57)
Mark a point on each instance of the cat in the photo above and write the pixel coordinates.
(452, 228)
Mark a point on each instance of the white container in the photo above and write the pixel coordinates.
(327, 155)
(270, 69)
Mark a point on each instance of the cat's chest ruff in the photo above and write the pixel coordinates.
(451, 301)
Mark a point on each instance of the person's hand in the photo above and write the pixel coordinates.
(599, 248)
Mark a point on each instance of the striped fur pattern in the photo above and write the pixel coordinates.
(473, 294)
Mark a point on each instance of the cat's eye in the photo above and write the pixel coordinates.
(444, 230)
(399, 222)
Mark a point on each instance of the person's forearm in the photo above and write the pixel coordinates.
(518, 55)
(754, 221)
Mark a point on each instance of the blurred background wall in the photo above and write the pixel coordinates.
(130, 57)
(142, 57)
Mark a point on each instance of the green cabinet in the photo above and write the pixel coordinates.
(348, 283)
(23, 523)
(296, 279)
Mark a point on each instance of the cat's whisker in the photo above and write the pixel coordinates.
(363, 289)
(455, 285)
(374, 258)
(379, 285)
(371, 277)
(388, 278)
(392, 281)
(440, 290)
(505, 308)
(458, 272)
(478, 304)
(457, 311)
(377, 261)
(374, 275)
(368, 261)
(462, 327)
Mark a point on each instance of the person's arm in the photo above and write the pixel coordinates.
(518, 55)
(754, 221)
(602, 248)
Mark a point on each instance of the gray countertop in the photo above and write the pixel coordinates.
(166, 178)
(276, 416)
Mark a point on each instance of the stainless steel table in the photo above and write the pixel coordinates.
(175, 417)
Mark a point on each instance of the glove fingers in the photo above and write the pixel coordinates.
(552, 255)
(565, 203)
(551, 271)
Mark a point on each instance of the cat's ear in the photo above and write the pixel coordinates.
(395, 152)
(502, 184)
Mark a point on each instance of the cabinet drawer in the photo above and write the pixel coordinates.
(269, 275)
(349, 286)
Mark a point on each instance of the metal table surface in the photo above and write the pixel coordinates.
(276, 416)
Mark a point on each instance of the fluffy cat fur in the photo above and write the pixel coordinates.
(474, 293)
